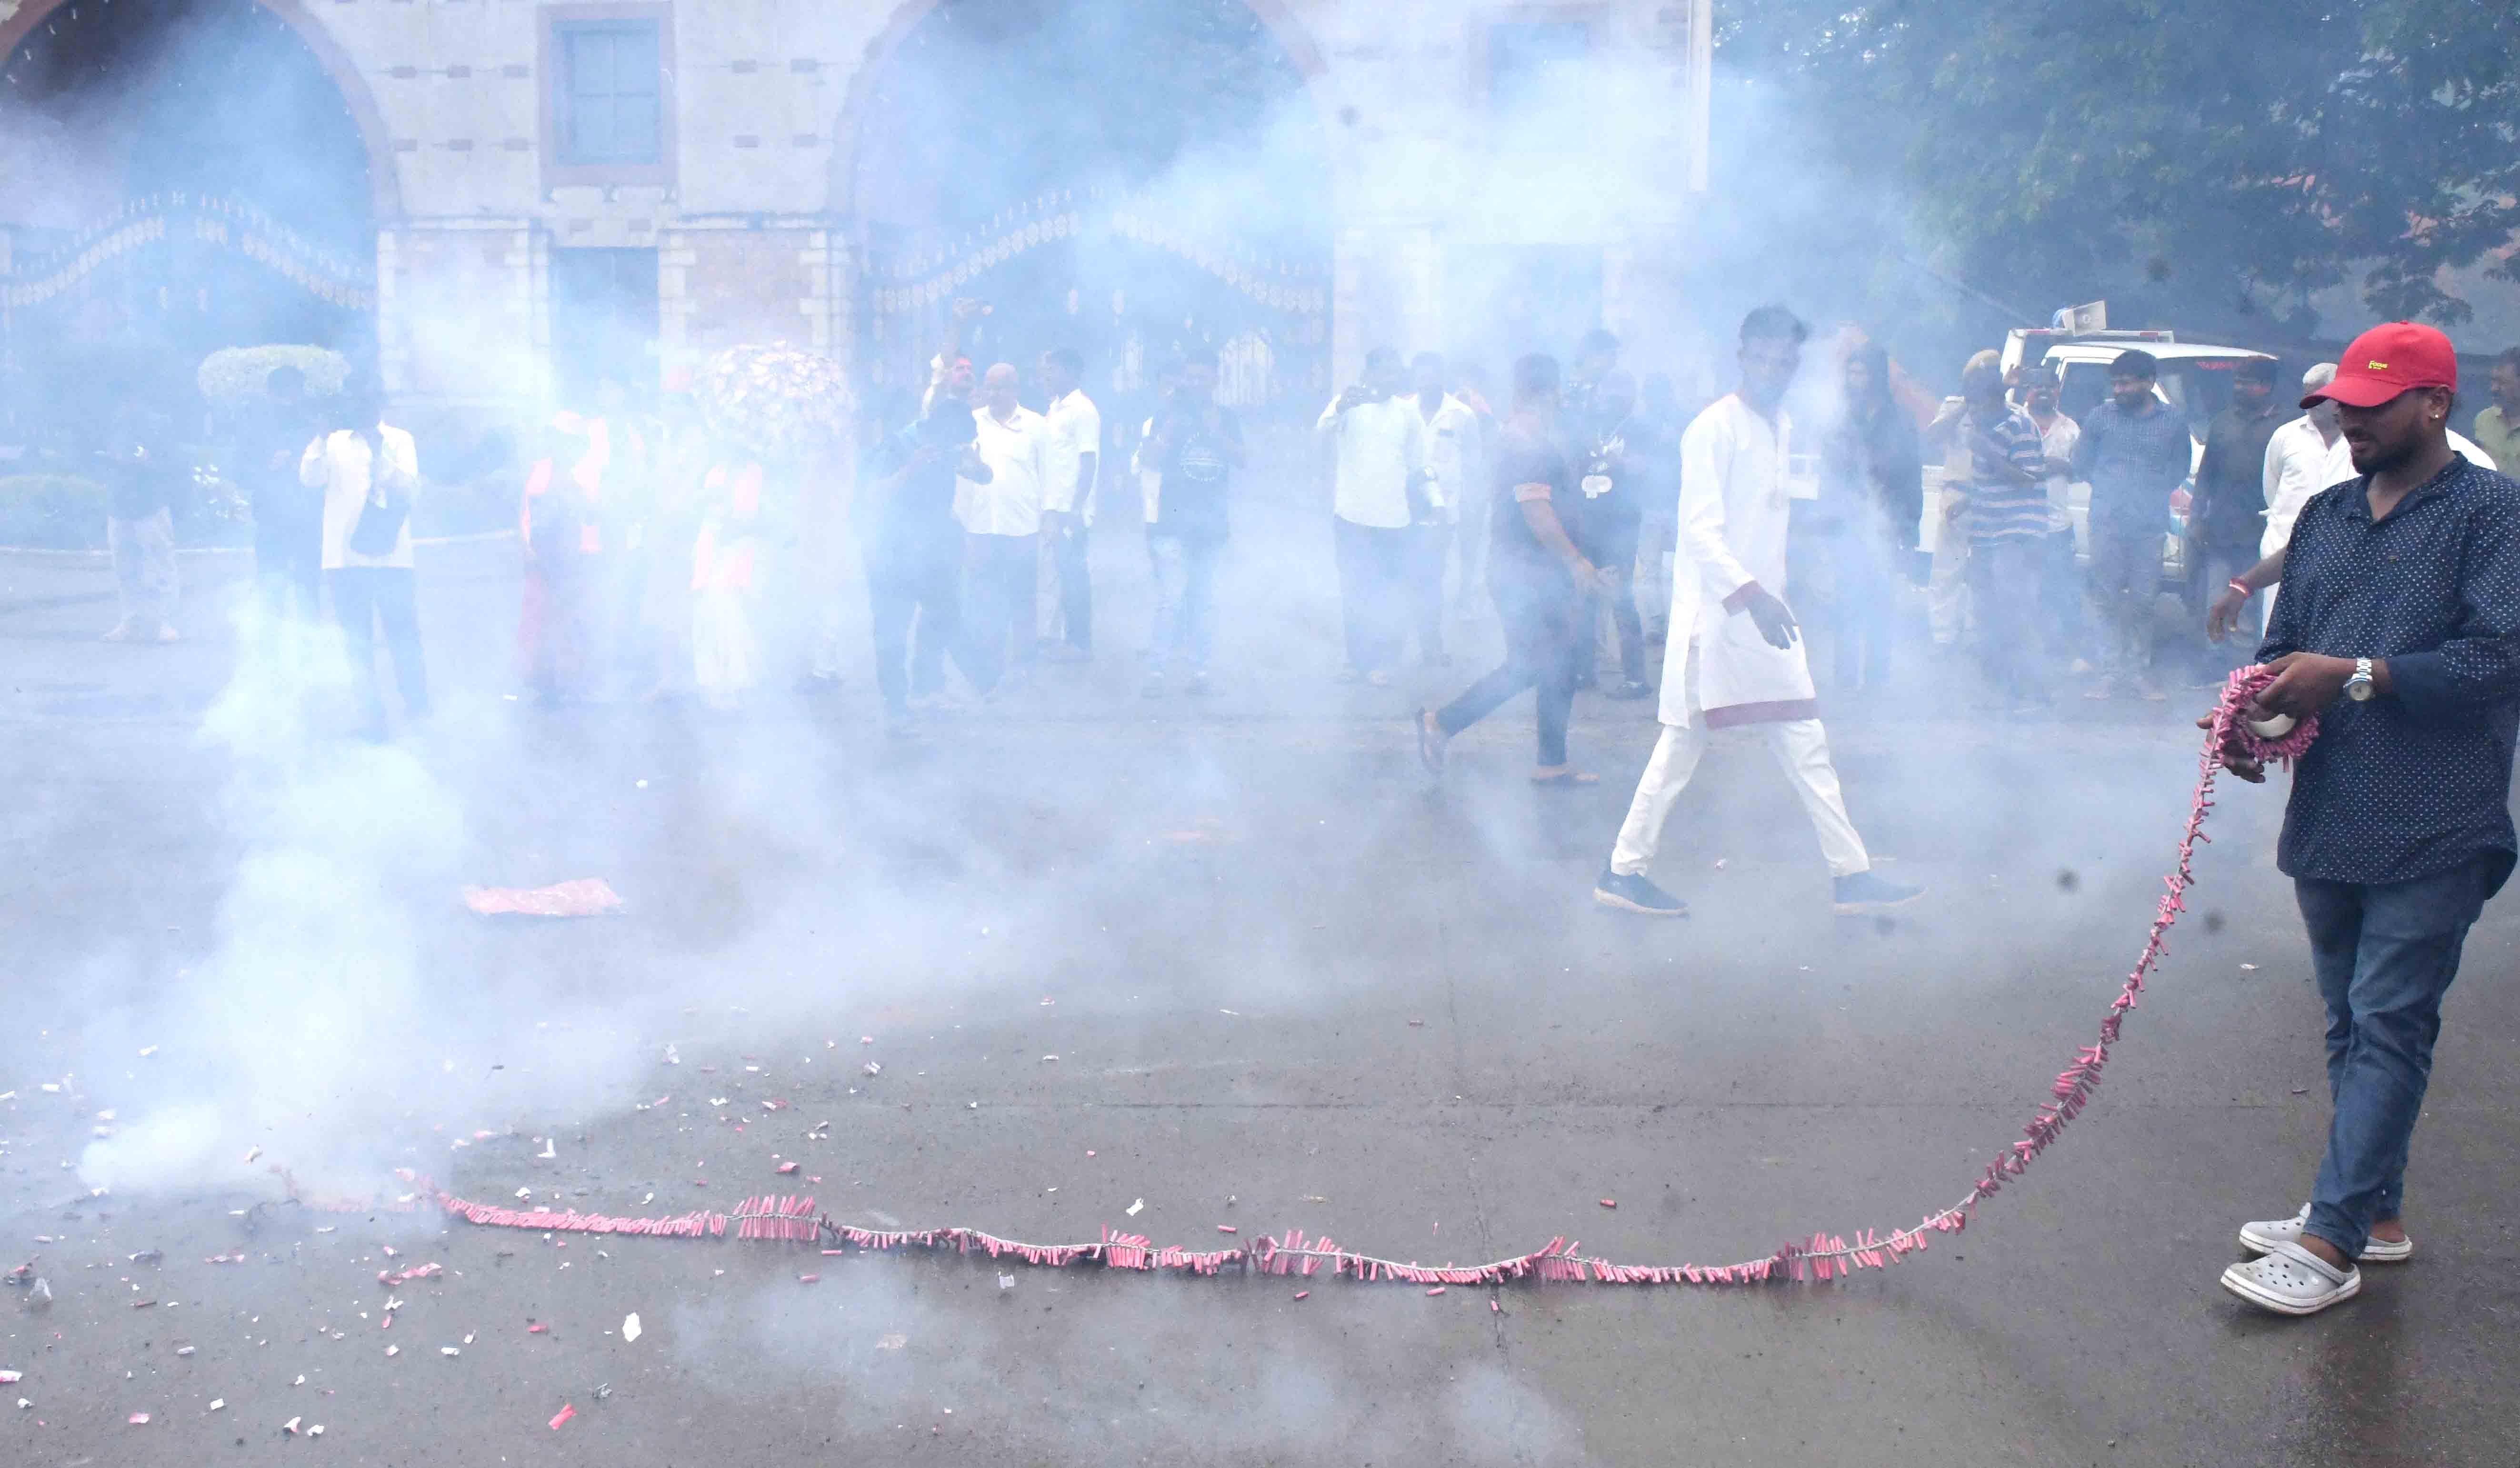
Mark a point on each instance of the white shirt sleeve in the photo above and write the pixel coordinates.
(402, 461)
(1704, 452)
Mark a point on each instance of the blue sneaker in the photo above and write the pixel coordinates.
(1869, 892)
(1633, 892)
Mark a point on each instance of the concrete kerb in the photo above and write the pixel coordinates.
(38, 552)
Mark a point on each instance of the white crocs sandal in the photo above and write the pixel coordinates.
(2290, 1280)
(2261, 1238)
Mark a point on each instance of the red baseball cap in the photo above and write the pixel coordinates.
(2396, 357)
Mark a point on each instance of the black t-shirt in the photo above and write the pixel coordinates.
(1195, 473)
(271, 439)
(1623, 454)
(142, 474)
(1522, 459)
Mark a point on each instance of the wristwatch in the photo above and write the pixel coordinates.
(2360, 688)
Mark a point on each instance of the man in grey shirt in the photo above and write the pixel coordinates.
(2133, 451)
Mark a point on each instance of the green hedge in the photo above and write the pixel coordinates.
(52, 511)
(235, 378)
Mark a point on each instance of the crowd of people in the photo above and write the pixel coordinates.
(1593, 513)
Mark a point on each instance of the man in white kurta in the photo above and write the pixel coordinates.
(1734, 657)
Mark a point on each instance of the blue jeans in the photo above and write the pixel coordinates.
(1185, 573)
(2385, 955)
(2218, 566)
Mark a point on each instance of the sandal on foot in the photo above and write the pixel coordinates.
(2263, 1237)
(2290, 1280)
(1430, 740)
(1565, 779)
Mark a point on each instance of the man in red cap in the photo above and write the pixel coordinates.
(2399, 629)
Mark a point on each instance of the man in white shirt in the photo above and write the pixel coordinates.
(2303, 457)
(1378, 444)
(1452, 452)
(1075, 427)
(1002, 530)
(1734, 657)
(2060, 599)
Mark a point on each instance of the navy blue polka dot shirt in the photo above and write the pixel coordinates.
(2412, 782)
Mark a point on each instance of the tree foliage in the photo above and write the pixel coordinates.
(2230, 158)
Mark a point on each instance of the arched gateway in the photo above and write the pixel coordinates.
(556, 187)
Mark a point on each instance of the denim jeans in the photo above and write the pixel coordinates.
(2385, 955)
(1000, 614)
(1543, 646)
(1069, 594)
(2005, 583)
(365, 599)
(1185, 572)
(2126, 574)
(916, 581)
(2217, 568)
(1374, 594)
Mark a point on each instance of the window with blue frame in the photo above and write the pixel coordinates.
(611, 91)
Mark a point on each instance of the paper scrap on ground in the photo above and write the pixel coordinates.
(586, 897)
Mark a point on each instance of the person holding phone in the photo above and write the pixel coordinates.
(1378, 472)
(369, 471)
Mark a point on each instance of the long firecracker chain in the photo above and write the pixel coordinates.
(1824, 1256)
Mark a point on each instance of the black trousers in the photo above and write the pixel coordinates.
(1374, 574)
(1618, 548)
(289, 572)
(1001, 605)
(1075, 585)
(1540, 641)
(365, 599)
(921, 586)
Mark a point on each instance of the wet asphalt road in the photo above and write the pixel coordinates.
(1286, 984)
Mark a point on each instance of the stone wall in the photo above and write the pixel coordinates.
(750, 214)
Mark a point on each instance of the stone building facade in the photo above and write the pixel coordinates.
(497, 170)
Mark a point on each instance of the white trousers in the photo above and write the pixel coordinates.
(1800, 746)
(1947, 592)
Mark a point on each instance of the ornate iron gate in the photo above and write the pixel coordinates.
(162, 283)
(1111, 276)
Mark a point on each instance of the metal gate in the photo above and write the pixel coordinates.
(1112, 276)
(166, 279)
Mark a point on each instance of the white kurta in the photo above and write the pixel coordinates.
(1733, 520)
